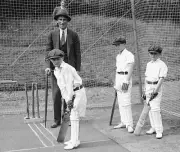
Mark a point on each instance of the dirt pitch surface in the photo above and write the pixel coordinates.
(17, 136)
(95, 134)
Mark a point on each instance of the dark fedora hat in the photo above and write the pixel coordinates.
(58, 11)
(55, 53)
(155, 49)
(119, 40)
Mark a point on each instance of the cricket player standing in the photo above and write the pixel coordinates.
(156, 71)
(123, 84)
(70, 83)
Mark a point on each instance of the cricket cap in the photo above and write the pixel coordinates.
(155, 49)
(55, 53)
(119, 40)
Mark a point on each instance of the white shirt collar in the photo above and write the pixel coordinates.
(123, 51)
(65, 33)
(61, 66)
(155, 60)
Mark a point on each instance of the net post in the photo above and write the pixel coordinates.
(136, 48)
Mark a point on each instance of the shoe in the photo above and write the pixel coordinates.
(130, 129)
(121, 125)
(150, 131)
(55, 125)
(71, 146)
(68, 142)
(77, 143)
(158, 135)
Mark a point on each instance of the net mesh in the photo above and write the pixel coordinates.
(24, 27)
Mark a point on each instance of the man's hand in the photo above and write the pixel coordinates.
(153, 95)
(143, 96)
(48, 71)
(125, 86)
(70, 104)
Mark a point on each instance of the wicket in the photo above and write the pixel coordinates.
(35, 94)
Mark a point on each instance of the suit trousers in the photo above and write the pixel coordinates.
(57, 102)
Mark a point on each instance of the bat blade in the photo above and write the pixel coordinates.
(64, 127)
(142, 119)
(113, 107)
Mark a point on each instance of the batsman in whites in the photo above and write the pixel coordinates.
(156, 71)
(70, 84)
(123, 84)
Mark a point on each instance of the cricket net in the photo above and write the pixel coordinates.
(23, 35)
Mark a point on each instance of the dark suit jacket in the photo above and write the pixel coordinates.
(73, 47)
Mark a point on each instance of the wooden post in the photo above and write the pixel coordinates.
(137, 49)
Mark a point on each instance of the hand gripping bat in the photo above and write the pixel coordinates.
(143, 116)
(65, 123)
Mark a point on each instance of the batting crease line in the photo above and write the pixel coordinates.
(51, 146)
(81, 142)
(48, 131)
(37, 135)
(31, 149)
(44, 134)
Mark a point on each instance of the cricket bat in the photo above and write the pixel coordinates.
(65, 124)
(143, 116)
(46, 99)
(113, 107)
(64, 127)
(142, 119)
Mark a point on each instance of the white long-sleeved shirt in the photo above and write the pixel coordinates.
(67, 76)
(155, 70)
(123, 60)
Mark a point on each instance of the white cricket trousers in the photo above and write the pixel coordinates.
(74, 117)
(126, 115)
(155, 112)
(78, 110)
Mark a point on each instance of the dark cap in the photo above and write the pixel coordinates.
(55, 53)
(155, 48)
(119, 41)
(58, 11)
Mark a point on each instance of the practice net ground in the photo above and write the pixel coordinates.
(24, 27)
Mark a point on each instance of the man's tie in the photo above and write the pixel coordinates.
(62, 38)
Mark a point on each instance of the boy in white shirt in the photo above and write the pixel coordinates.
(70, 84)
(156, 71)
(123, 84)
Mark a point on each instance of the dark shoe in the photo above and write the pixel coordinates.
(55, 125)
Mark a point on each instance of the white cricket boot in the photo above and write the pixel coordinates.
(150, 131)
(159, 135)
(130, 129)
(67, 142)
(121, 125)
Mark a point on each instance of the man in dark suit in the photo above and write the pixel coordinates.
(68, 41)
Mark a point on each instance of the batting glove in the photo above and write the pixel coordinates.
(125, 86)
